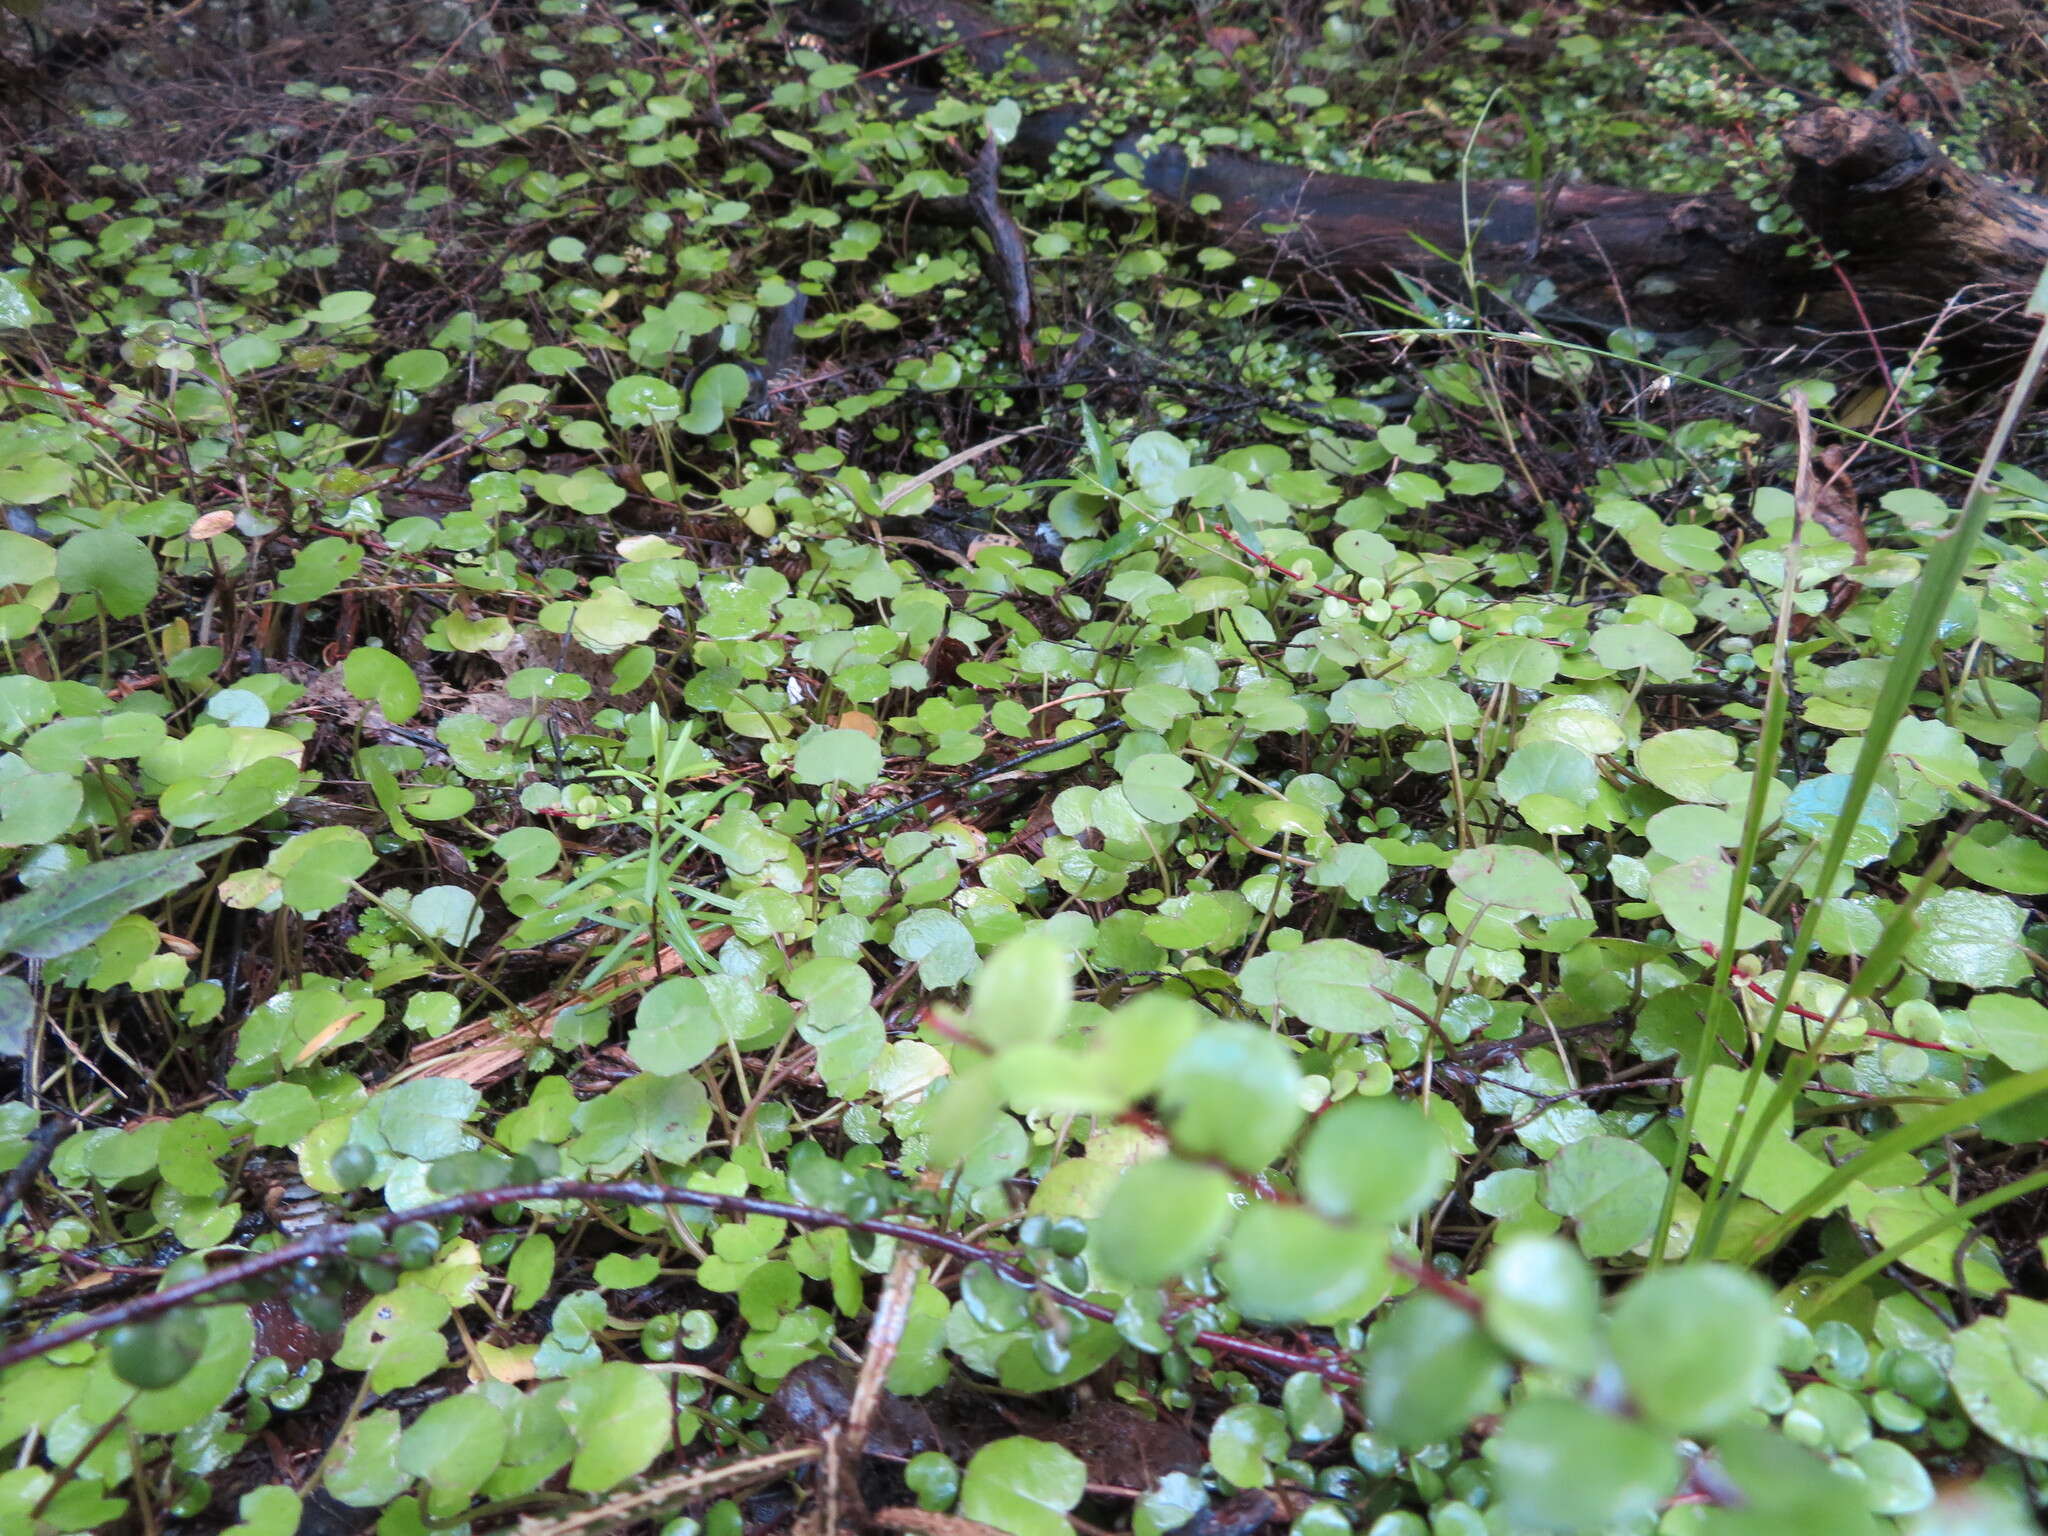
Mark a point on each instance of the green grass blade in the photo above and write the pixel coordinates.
(1900, 1140)
(1939, 580)
(1963, 1216)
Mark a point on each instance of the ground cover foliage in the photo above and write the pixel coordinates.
(653, 887)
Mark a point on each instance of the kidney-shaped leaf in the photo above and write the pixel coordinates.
(620, 1416)
(1023, 1486)
(1517, 880)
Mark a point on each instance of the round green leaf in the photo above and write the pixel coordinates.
(1543, 1302)
(1374, 1160)
(1164, 1216)
(1695, 1345)
(1152, 784)
(447, 913)
(1562, 1466)
(1246, 1441)
(377, 676)
(639, 400)
(1694, 898)
(1516, 879)
(674, 1029)
(1688, 764)
(1333, 984)
(620, 1417)
(610, 621)
(1284, 1263)
(719, 392)
(116, 568)
(1234, 1093)
(1023, 1486)
(1430, 1371)
(318, 867)
(453, 1446)
(160, 1352)
(1970, 937)
(420, 369)
(1022, 994)
(2000, 1375)
(1609, 1188)
(1813, 809)
(845, 757)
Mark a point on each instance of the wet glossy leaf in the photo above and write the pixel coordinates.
(159, 1352)
(1562, 1466)
(1374, 1160)
(1233, 1093)
(1022, 1486)
(1246, 1441)
(1430, 1369)
(1695, 1345)
(1970, 937)
(1813, 810)
(196, 1393)
(639, 400)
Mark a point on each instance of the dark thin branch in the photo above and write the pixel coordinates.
(953, 786)
(328, 1242)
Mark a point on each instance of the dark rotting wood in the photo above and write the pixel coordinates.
(1916, 234)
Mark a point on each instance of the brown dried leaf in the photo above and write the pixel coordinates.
(1227, 40)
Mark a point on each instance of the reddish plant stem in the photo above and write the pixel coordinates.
(1429, 1278)
(1810, 1016)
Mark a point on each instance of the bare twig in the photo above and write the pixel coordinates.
(330, 1242)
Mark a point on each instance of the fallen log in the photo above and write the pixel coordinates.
(1916, 235)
